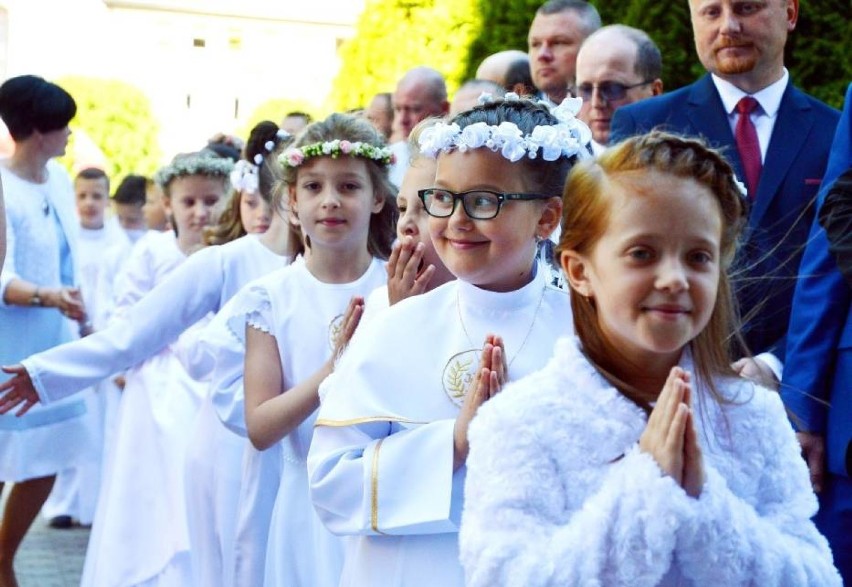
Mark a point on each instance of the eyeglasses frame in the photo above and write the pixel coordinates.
(502, 197)
(596, 86)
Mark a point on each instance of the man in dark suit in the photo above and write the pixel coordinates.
(778, 146)
(817, 383)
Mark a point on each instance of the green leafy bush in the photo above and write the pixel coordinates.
(117, 117)
(393, 36)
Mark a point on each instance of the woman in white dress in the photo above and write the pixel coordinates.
(387, 461)
(38, 295)
(637, 456)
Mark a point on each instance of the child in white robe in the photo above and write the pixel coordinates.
(413, 267)
(387, 461)
(75, 492)
(637, 456)
(139, 535)
(297, 321)
(214, 454)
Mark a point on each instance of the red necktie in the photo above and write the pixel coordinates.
(748, 145)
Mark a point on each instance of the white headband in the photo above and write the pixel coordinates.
(567, 138)
(244, 177)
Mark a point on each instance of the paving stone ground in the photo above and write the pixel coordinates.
(50, 557)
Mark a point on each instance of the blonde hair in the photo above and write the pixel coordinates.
(415, 155)
(353, 129)
(585, 216)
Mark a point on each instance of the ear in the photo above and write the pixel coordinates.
(166, 203)
(551, 216)
(291, 197)
(792, 14)
(657, 87)
(576, 269)
(378, 202)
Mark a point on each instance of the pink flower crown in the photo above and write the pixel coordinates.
(295, 156)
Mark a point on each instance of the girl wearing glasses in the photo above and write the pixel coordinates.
(387, 461)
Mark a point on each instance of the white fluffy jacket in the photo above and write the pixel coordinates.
(549, 501)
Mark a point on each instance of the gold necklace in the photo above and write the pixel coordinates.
(526, 336)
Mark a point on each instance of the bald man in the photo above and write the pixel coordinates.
(616, 65)
(421, 93)
(467, 96)
(495, 67)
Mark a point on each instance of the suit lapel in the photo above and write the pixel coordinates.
(792, 125)
(708, 117)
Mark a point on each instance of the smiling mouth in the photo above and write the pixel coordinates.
(667, 310)
(464, 245)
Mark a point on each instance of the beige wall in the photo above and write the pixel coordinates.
(253, 50)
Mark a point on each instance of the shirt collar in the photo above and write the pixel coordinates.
(769, 97)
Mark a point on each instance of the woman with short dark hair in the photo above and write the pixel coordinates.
(39, 303)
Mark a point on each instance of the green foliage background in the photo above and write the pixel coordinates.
(454, 36)
(117, 117)
(395, 35)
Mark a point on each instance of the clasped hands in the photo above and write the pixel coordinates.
(670, 436)
(489, 380)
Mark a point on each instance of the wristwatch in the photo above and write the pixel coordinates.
(36, 300)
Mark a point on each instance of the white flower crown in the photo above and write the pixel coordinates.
(295, 156)
(193, 164)
(244, 176)
(567, 138)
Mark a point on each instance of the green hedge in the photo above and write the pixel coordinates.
(454, 36)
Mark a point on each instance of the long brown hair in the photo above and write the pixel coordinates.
(585, 216)
(264, 140)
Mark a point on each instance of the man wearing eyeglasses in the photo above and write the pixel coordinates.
(617, 65)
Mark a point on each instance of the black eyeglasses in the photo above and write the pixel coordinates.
(478, 204)
(609, 91)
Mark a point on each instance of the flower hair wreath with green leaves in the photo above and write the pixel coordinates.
(296, 156)
(194, 164)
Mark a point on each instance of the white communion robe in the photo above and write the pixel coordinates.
(304, 315)
(139, 533)
(243, 547)
(214, 454)
(572, 501)
(75, 492)
(381, 461)
(141, 330)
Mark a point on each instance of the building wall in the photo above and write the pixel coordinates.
(205, 65)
